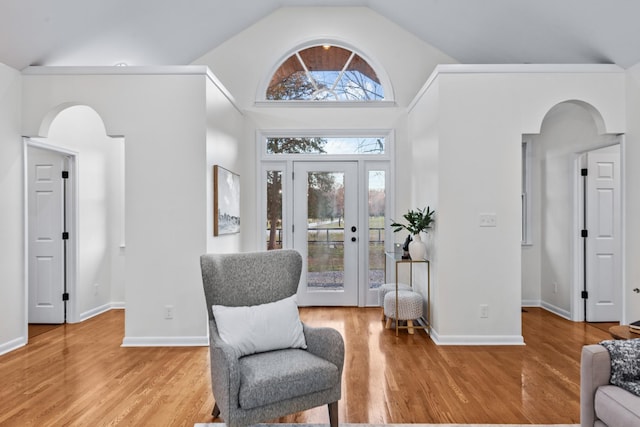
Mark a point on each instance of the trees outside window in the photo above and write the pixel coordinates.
(325, 73)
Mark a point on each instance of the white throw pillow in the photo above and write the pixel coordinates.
(260, 328)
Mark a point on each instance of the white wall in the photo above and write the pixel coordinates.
(161, 113)
(632, 196)
(229, 146)
(482, 115)
(424, 172)
(12, 304)
(245, 62)
(479, 152)
(100, 208)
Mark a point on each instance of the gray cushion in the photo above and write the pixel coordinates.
(279, 375)
(617, 407)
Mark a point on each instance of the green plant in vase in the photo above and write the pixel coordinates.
(417, 221)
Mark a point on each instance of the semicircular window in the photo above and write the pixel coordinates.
(325, 73)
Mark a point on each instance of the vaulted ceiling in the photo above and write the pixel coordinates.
(175, 32)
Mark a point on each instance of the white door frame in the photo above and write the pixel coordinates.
(366, 296)
(72, 215)
(284, 163)
(577, 303)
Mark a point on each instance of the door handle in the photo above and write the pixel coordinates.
(353, 229)
(353, 239)
(636, 290)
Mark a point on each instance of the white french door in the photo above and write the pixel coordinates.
(333, 211)
(325, 231)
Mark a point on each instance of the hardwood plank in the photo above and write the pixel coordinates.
(79, 375)
(36, 329)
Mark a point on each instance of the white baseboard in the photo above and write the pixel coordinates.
(556, 310)
(530, 303)
(165, 341)
(476, 339)
(12, 345)
(99, 310)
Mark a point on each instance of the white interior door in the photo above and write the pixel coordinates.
(603, 263)
(45, 227)
(325, 232)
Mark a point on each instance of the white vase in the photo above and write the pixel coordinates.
(417, 248)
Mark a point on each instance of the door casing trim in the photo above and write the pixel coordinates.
(285, 162)
(72, 227)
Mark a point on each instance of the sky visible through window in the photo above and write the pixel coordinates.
(327, 145)
(347, 86)
(354, 146)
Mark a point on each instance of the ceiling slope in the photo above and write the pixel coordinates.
(170, 32)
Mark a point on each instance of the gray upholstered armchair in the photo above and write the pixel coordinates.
(263, 386)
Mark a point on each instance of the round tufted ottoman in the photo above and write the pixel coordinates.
(388, 287)
(409, 307)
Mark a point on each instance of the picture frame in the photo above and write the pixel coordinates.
(226, 201)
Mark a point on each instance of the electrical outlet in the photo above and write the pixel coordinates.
(488, 220)
(555, 287)
(168, 312)
(484, 311)
(96, 288)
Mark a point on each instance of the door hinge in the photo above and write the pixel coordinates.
(585, 295)
(293, 175)
(65, 296)
(65, 235)
(65, 174)
(584, 172)
(293, 228)
(584, 233)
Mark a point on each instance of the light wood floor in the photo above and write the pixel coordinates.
(79, 375)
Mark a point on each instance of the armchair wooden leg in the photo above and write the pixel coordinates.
(216, 411)
(333, 414)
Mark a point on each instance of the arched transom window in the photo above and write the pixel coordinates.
(325, 73)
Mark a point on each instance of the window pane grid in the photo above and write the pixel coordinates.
(325, 72)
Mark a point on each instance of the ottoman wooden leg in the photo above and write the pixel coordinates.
(410, 325)
(388, 325)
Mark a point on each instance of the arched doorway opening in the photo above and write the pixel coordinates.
(558, 263)
(88, 259)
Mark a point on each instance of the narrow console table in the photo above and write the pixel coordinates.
(397, 258)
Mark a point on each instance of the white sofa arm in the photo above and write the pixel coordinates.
(595, 371)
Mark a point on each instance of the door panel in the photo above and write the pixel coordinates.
(46, 254)
(326, 232)
(604, 241)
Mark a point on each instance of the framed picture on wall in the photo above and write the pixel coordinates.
(226, 201)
